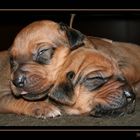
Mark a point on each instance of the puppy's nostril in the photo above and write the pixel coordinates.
(19, 82)
(70, 75)
(129, 96)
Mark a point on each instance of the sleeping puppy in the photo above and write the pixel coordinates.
(37, 54)
(101, 78)
(29, 69)
(50, 60)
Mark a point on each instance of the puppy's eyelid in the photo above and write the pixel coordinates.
(44, 55)
(97, 77)
(43, 50)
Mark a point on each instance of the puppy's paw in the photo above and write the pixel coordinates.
(43, 110)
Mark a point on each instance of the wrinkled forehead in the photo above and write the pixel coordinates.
(83, 58)
(38, 31)
(35, 33)
(44, 25)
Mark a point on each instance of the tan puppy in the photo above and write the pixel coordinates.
(37, 54)
(99, 78)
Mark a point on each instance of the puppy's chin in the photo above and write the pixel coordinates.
(31, 96)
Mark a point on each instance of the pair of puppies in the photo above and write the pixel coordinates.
(62, 70)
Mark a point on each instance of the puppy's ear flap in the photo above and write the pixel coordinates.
(74, 36)
(63, 93)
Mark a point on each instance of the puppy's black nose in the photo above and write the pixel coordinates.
(19, 81)
(131, 101)
(130, 96)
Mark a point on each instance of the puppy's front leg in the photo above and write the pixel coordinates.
(38, 109)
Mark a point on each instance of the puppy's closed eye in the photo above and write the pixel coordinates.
(44, 55)
(93, 83)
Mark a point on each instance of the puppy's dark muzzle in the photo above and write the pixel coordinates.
(29, 87)
(19, 92)
(125, 105)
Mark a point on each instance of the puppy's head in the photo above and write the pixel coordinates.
(37, 53)
(91, 82)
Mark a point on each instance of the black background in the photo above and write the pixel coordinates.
(69, 4)
(119, 25)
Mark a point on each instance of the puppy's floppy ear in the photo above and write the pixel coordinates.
(74, 36)
(63, 93)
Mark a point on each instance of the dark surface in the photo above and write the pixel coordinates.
(17, 120)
